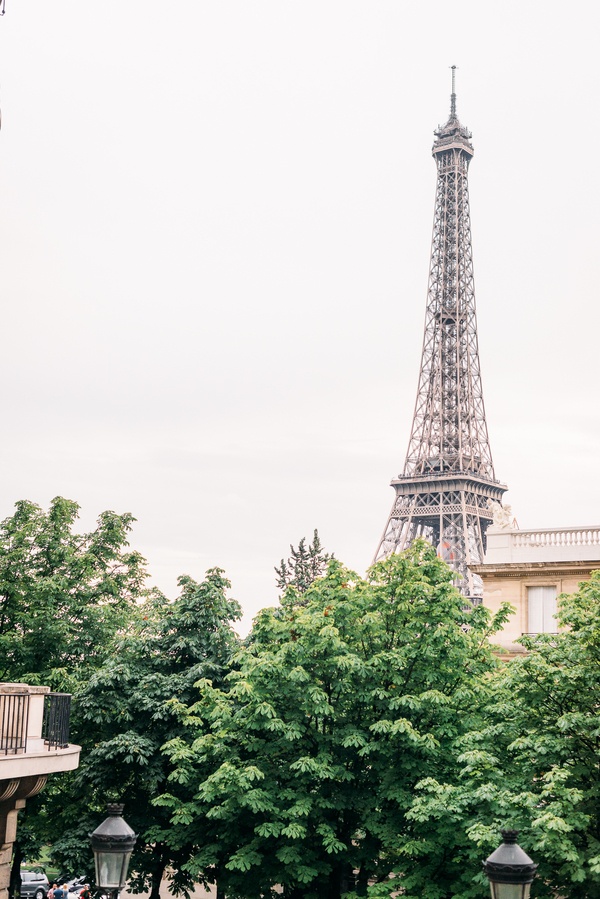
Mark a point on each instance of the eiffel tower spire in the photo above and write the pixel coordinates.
(448, 482)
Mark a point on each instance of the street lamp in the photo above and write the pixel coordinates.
(112, 845)
(509, 869)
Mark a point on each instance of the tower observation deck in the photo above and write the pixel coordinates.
(448, 482)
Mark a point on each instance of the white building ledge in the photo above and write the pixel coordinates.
(506, 546)
(39, 761)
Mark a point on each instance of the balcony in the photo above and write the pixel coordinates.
(34, 742)
(34, 732)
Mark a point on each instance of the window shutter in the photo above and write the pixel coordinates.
(541, 603)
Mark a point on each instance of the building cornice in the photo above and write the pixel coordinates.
(529, 569)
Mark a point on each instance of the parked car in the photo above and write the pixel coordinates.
(34, 885)
(75, 887)
(65, 877)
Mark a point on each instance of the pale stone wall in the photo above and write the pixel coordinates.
(512, 588)
(8, 834)
(13, 794)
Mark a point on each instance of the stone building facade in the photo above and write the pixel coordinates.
(530, 569)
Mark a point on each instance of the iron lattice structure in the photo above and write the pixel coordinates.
(445, 491)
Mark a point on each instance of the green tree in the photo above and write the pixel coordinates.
(64, 598)
(535, 765)
(305, 564)
(63, 595)
(305, 772)
(128, 709)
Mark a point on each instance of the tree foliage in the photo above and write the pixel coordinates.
(363, 740)
(128, 709)
(339, 710)
(305, 565)
(535, 763)
(63, 595)
(75, 614)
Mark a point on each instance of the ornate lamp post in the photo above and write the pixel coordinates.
(112, 845)
(509, 869)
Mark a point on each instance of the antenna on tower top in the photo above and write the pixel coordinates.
(453, 94)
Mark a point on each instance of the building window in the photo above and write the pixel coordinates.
(541, 603)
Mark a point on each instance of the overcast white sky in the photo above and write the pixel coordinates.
(215, 222)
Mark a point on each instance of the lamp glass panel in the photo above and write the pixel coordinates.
(111, 869)
(510, 890)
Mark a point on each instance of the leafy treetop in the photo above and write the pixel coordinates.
(305, 565)
(305, 770)
(64, 596)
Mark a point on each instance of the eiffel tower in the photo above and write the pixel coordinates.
(446, 489)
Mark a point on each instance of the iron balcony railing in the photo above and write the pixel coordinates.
(57, 712)
(32, 719)
(14, 722)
